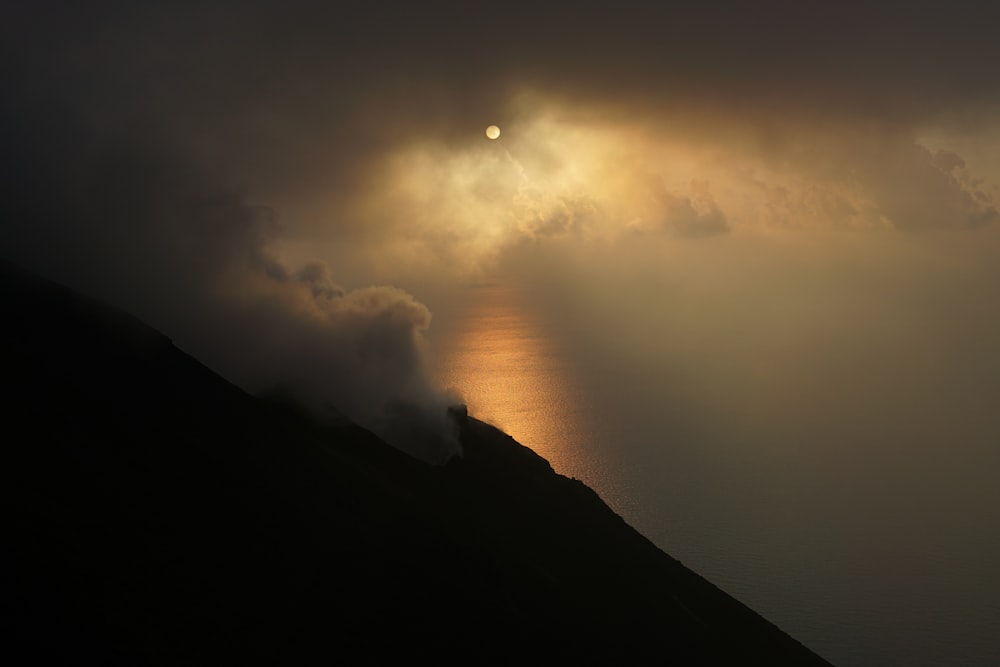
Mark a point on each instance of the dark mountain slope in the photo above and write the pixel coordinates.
(159, 514)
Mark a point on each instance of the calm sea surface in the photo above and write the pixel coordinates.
(868, 556)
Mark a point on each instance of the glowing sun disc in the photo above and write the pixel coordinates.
(493, 132)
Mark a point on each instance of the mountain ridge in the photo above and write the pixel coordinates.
(162, 515)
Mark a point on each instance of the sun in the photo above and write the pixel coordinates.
(493, 132)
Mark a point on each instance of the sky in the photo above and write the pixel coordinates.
(782, 207)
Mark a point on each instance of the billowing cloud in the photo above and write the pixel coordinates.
(918, 190)
(682, 216)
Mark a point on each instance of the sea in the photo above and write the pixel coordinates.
(866, 551)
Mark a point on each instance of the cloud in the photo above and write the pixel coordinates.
(690, 217)
(540, 215)
(316, 276)
(917, 190)
(358, 352)
(271, 327)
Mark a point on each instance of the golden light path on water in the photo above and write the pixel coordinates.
(498, 357)
(848, 559)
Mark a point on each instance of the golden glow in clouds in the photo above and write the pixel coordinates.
(566, 177)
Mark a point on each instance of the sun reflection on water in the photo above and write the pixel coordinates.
(511, 375)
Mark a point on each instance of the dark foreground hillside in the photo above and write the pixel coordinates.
(157, 514)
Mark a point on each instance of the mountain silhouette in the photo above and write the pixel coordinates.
(161, 515)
